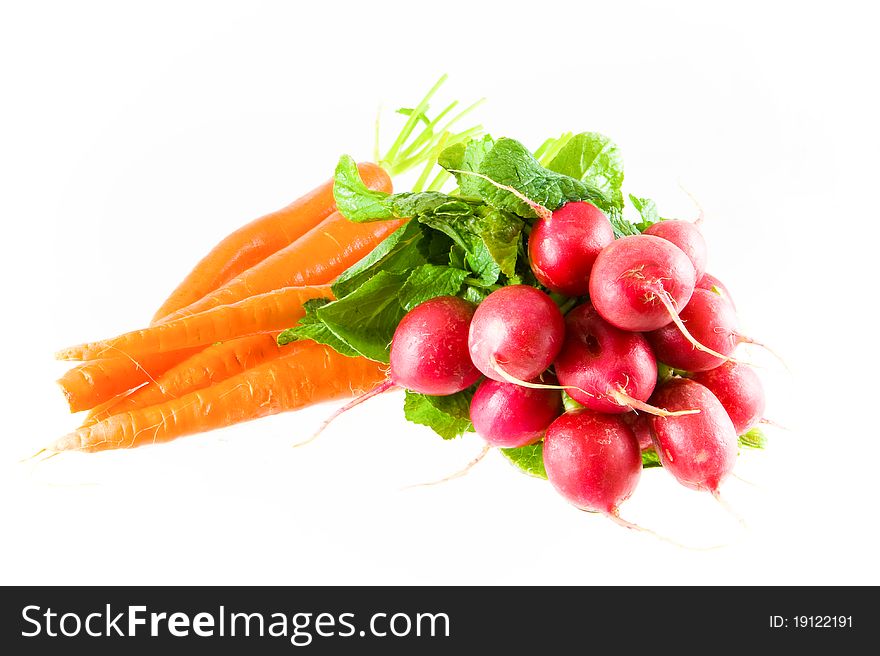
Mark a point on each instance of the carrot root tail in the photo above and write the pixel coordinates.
(29, 458)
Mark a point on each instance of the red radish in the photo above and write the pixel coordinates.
(711, 320)
(429, 351)
(593, 460)
(605, 368)
(687, 237)
(639, 282)
(700, 449)
(712, 284)
(712, 337)
(508, 415)
(429, 354)
(562, 249)
(640, 425)
(739, 390)
(515, 334)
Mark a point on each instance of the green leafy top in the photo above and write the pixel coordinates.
(595, 159)
(753, 439)
(510, 163)
(647, 209)
(466, 243)
(313, 328)
(530, 459)
(448, 416)
(467, 156)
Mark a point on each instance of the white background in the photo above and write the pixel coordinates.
(136, 135)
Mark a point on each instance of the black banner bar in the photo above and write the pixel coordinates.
(436, 620)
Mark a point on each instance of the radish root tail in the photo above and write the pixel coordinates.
(770, 422)
(461, 472)
(666, 299)
(376, 391)
(496, 366)
(746, 481)
(748, 340)
(730, 509)
(623, 398)
(615, 517)
(702, 214)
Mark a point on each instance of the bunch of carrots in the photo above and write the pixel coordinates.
(209, 357)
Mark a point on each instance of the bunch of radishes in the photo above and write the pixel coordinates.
(639, 300)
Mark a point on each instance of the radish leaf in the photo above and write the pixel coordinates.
(569, 403)
(400, 252)
(500, 232)
(360, 204)
(428, 281)
(311, 327)
(647, 209)
(510, 163)
(366, 318)
(595, 159)
(448, 416)
(753, 439)
(466, 157)
(354, 200)
(469, 251)
(529, 459)
(650, 459)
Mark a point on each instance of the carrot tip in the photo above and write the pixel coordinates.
(72, 353)
(69, 442)
(68, 395)
(29, 458)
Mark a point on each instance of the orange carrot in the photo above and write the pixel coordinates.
(254, 242)
(307, 373)
(92, 383)
(319, 256)
(102, 408)
(215, 363)
(257, 314)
